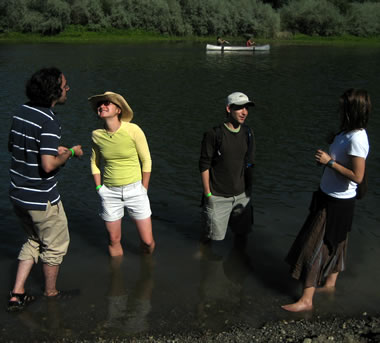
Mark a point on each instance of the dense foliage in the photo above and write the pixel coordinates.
(264, 18)
(312, 17)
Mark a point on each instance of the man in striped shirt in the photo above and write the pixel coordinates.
(36, 159)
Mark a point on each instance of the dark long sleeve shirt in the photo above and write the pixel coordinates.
(227, 171)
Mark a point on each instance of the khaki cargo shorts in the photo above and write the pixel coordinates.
(48, 234)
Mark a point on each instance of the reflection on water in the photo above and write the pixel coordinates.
(129, 307)
(177, 92)
(237, 52)
(44, 320)
(221, 290)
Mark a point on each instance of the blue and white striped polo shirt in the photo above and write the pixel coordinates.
(35, 131)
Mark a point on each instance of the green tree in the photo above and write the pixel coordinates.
(39, 16)
(177, 25)
(14, 14)
(257, 18)
(222, 17)
(195, 15)
(312, 17)
(56, 16)
(150, 15)
(364, 19)
(89, 13)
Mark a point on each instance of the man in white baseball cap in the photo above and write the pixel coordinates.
(225, 164)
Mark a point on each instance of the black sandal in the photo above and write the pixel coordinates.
(19, 304)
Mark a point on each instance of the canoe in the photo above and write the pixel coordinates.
(211, 47)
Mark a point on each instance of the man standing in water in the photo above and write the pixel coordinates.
(227, 157)
(36, 159)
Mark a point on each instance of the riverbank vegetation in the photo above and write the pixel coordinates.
(181, 19)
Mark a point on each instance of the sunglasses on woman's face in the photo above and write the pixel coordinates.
(103, 102)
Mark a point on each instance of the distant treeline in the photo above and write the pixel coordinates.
(195, 17)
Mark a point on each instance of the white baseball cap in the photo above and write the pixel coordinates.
(238, 98)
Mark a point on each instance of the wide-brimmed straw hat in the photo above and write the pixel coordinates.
(117, 99)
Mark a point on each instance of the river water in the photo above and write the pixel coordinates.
(177, 92)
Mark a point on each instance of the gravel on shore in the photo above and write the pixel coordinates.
(335, 329)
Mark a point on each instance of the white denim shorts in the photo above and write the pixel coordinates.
(134, 197)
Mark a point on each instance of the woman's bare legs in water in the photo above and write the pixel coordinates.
(144, 228)
(329, 286)
(305, 303)
(114, 234)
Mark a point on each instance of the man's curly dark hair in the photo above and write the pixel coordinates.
(44, 87)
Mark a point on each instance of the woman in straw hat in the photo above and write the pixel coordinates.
(123, 148)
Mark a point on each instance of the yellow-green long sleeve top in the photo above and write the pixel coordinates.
(121, 154)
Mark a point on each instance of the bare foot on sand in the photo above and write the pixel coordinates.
(298, 306)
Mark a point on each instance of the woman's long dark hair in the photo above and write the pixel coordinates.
(354, 106)
(44, 87)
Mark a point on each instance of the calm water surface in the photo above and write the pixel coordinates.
(177, 92)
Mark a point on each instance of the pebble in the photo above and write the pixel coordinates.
(335, 329)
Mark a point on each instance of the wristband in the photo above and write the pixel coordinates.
(98, 187)
(72, 152)
(208, 195)
(330, 163)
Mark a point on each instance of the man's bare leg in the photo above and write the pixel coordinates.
(23, 271)
(51, 274)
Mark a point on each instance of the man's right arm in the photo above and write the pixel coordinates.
(52, 162)
(207, 153)
(205, 175)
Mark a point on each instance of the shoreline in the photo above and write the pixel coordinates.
(361, 329)
(82, 36)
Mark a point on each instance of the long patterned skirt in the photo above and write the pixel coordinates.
(311, 259)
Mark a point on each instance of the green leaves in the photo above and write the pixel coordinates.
(194, 17)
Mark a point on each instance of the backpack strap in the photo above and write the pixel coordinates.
(251, 144)
(218, 143)
(250, 155)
